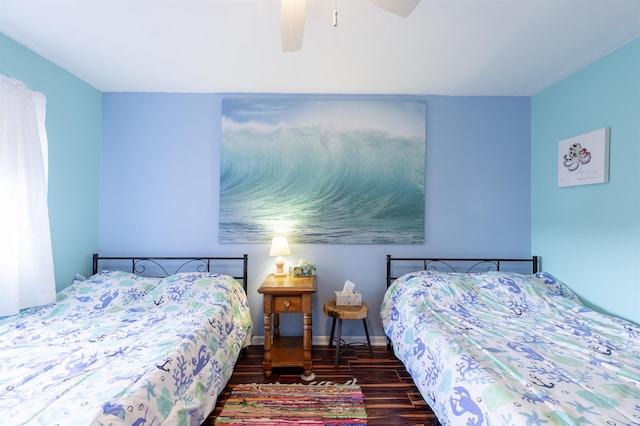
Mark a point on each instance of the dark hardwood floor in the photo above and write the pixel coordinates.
(390, 396)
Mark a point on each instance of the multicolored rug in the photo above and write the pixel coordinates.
(278, 404)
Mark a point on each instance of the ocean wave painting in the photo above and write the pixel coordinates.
(322, 171)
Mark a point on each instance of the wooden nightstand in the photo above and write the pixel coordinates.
(287, 295)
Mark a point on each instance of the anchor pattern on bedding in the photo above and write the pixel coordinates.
(106, 353)
(499, 348)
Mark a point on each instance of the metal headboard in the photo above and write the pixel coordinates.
(460, 265)
(165, 266)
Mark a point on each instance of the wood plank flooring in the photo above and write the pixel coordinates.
(389, 393)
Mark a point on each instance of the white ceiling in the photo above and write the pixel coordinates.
(447, 47)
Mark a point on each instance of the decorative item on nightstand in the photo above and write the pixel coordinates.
(279, 248)
(302, 269)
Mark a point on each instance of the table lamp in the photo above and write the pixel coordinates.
(279, 248)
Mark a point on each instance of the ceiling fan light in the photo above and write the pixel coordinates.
(399, 7)
(292, 17)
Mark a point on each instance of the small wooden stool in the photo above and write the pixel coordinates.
(346, 313)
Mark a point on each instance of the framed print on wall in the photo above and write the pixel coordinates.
(584, 159)
(337, 171)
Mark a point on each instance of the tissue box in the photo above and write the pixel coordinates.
(302, 270)
(349, 299)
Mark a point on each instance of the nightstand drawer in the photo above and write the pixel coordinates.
(287, 304)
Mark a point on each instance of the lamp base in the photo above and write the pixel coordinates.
(279, 267)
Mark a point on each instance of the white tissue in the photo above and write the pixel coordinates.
(348, 287)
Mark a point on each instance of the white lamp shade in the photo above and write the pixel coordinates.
(279, 247)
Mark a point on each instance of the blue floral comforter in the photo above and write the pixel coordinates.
(119, 348)
(507, 349)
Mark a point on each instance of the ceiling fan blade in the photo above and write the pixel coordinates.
(292, 17)
(399, 7)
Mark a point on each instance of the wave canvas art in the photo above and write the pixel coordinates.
(322, 171)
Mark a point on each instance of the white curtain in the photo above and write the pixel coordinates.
(26, 259)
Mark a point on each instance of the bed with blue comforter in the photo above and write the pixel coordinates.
(120, 348)
(500, 348)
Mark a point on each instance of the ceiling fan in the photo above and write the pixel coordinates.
(292, 18)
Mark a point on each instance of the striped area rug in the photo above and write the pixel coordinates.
(278, 404)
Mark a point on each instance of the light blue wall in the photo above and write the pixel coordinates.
(160, 187)
(589, 236)
(74, 119)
